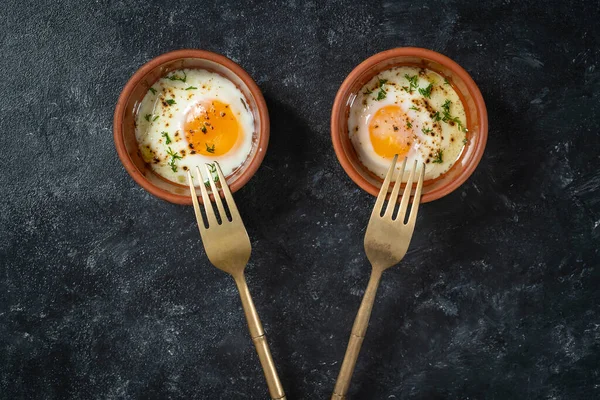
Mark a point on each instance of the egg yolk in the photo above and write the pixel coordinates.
(211, 128)
(390, 132)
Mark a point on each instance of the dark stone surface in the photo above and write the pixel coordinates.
(105, 291)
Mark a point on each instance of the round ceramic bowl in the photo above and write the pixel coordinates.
(410, 56)
(137, 87)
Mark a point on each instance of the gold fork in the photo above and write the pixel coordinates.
(386, 243)
(228, 248)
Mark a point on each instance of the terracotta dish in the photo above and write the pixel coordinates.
(137, 87)
(467, 90)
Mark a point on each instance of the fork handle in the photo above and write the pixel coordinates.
(260, 341)
(359, 329)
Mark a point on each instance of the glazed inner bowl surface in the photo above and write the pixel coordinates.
(125, 117)
(464, 86)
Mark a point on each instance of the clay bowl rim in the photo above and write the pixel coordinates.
(157, 62)
(339, 106)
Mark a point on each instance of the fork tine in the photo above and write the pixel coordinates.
(384, 188)
(394, 196)
(199, 218)
(216, 194)
(208, 208)
(235, 214)
(417, 199)
(406, 195)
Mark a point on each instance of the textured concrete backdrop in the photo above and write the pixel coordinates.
(105, 291)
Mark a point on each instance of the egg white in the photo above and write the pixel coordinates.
(202, 86)
(445, 136)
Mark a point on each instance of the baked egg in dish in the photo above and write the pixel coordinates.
(192, 117)
(412, 112)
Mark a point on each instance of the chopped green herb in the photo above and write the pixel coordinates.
(408, 124)
(446, 106)
(446, 81)
(439, 157)
(203, 129)
(426, 130)
(174, 157)
(446, 111)
(456, 120)
(215, 180)
(213, 170)
(155, 118)
(382, 93)
(152, 90)
(166, 136)
(367, 91)
(191, 87)
(447, 118)
(427, 91)
(465, 141)
(414, 108)
(170, 102)
(436, 116)
(147, 117)
(413, 82)
(210, 149)
(178, 78)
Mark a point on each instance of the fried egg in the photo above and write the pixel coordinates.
(192, 117)
(412, 112)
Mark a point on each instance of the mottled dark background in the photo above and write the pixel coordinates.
(105, 291)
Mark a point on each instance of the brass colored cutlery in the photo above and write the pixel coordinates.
(386, 242)
(228, 248)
